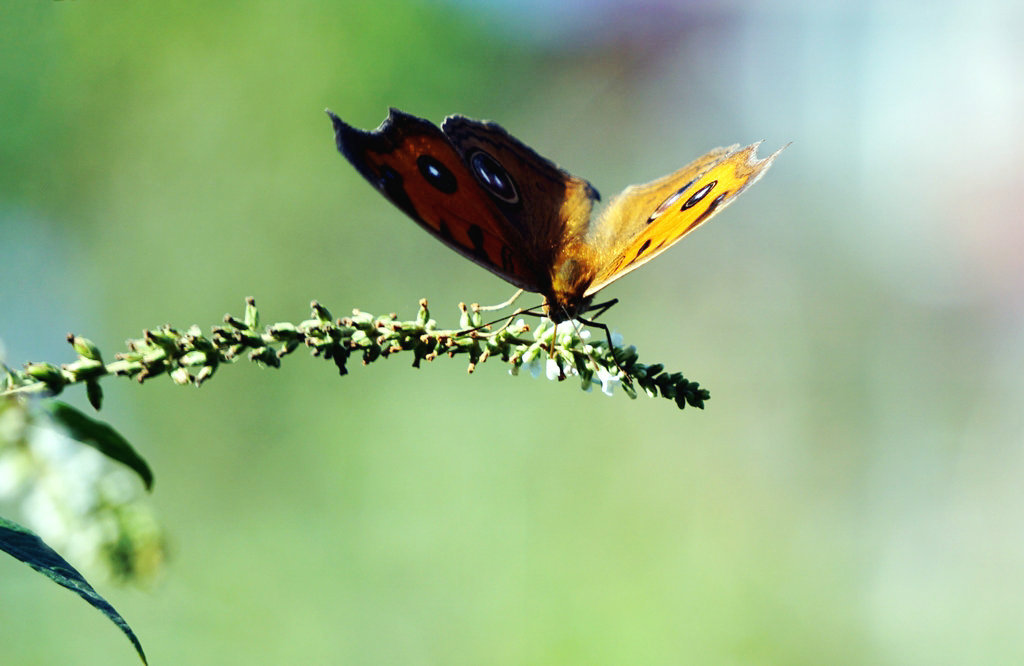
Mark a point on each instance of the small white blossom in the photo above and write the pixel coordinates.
(608, 380)
(534, 365)
(532, 360)
(543, 330)
(568, 326)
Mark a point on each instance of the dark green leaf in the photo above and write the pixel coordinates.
(24, 545)
(102, 437)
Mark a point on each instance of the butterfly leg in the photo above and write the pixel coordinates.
(601, 308)
(607, 333)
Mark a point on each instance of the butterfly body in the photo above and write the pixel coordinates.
(496, 201)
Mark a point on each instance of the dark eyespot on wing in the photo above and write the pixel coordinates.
(667, 203)
(494, 177)
(710, 209)
(643, 248)
(698, 195)
(438, 175)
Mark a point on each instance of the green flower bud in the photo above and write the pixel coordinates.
(94, 393)
(252, 315)
(180, 376)
(85, 348)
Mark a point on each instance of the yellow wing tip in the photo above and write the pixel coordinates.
(754, 166)
(764, 162)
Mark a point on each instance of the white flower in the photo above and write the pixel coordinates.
(608, 380)
(534, 365)
(567, 327)
(568, 332)
(532, 361)
(543, 330)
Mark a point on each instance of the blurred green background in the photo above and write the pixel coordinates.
(853, 492)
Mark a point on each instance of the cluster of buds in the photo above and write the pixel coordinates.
(190, 357)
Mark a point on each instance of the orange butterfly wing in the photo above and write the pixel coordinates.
(645, 220)
(412, 163)
(549, 206)
(473, 186)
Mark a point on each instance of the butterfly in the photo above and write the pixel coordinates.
(494, 200)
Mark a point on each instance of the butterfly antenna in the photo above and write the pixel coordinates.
(501, 306)
(507, 319)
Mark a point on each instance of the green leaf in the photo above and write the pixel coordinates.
(102, 437)
(22, 544)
